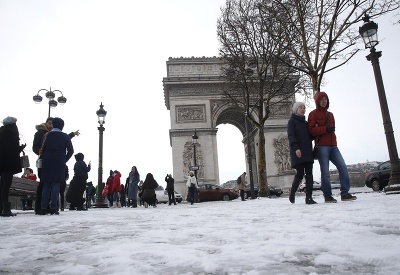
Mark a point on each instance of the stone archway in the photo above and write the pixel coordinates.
(193, 92)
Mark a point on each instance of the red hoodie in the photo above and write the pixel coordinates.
(317, 122)
(116, 186)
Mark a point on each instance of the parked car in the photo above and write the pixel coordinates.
(317, 185)
(213, 192)
(162, 196)
(378, 177)
(273, 191)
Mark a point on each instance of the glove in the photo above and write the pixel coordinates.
(330, 129)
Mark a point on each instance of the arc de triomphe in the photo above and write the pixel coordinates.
(193, 92)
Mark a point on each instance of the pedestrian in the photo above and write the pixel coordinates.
(90, 192)
(116, 187)
(123, 195)
(56, 150)
(149, 191)
(300, 146)
(27, 201)
(132, 182)
(242, 185)
(41, 130)
(321, 125)
(170, 189)
(63, 186)
(10, 164)
(192, 185)
(108, 189)
(140, 193)
(77, 186)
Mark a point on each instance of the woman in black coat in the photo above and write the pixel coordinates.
(57, 150)
(149, 190)
(300, 151)
(9, 161)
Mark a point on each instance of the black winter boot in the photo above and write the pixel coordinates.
(295, 185)
(7, 210)
(309, 189)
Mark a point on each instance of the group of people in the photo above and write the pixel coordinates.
(120, 195)
(54, 148)
(320, 128)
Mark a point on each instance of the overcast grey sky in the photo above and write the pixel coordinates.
(115, 52)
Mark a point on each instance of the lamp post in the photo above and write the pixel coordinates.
(249, 157)
(50, 95)
(100, 202)
(194, 142)
(369, 33)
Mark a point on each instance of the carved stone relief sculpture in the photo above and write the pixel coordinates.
(190, 113)
(282, 154)
(188, 159)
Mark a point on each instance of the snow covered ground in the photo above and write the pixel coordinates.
(262, 236)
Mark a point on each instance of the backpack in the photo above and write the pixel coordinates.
(239, 180)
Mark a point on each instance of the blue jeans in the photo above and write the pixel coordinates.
(51, 190)
(332, 153)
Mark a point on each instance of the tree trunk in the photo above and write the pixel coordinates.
(262, 171)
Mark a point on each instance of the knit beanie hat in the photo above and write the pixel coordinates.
(296, 106)
(9, 120)
(58, 123)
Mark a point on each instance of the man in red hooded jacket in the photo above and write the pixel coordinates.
(321, 125)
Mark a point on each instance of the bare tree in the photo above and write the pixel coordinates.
(256, 78)
(323, 33)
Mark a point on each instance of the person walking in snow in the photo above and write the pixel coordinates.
(301, 156)
(321, 125)
(132, 186)
(192, 186)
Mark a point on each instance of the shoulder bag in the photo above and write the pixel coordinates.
(39, 160)
(24, 160)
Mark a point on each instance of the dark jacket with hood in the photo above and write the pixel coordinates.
(80, 168)
(299, 138)
(10, 149)
(317, 123)
(57, 151)
(41, 130)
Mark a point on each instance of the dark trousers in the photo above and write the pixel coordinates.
(303, 167)
(38, 201)
(39, 192)
(171, 197)
(242, 194)
(5, 184)
(192, 190)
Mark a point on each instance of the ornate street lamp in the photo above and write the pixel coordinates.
(194, 142)
(100, 202)
(369, 33)
(50, 95)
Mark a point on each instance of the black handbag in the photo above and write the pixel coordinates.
(24, 160)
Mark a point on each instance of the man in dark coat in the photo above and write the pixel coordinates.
(9, 161)
(56, 151)
(77, 185)
(41, 131)
(170, 189)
